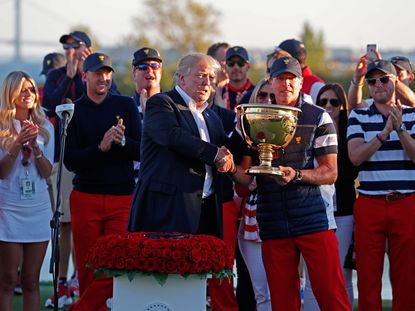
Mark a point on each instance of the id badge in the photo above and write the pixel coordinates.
(27, 189)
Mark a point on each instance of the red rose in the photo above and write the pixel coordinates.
(196, 255)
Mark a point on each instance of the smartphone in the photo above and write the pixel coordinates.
(371, 54)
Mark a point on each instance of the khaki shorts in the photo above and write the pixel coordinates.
(66, 189)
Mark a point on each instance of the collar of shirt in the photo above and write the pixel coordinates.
(190, 101)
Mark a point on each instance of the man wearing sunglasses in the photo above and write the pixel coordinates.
(381, 143)
(147, 70)
(237, 67)
(147, 65)
(404, 74)
(295, 210)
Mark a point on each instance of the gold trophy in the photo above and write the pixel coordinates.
(267, 127)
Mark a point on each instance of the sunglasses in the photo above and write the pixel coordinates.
(72, 45)
(383, 80)
(29, 89)
(232, 63)
(264, 95)
(333, 101)
(144, 67)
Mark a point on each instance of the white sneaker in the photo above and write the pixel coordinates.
(109, 303)
(62, 301)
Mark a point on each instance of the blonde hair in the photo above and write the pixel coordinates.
(9, 92)
(190, 60)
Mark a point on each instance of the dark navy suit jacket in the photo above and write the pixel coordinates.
(168, 196)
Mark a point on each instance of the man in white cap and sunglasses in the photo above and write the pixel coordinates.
(381, 143)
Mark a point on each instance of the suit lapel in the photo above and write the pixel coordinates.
(210, 123)
(185, 111)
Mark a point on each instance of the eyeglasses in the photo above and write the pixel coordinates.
(145, 66)
(232, 63)
(372, 81)
(264, 96)
(72, 45)
(333, 101)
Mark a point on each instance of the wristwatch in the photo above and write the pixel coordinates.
(298, 177)
(402, 128)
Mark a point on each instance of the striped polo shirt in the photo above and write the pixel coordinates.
(389, 169)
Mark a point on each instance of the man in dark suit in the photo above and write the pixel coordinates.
(182, 152)
(179, 189)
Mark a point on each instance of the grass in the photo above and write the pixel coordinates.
(46, 289)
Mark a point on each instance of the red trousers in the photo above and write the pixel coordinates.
(93, 216)
(320, 252)
(222, 295)
(377, 220)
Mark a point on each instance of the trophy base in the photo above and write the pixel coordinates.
(263, 170)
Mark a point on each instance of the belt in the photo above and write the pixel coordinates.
(390, 197)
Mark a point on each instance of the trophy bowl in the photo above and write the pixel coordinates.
(266, 128)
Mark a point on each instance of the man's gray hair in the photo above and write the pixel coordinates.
(190, 60)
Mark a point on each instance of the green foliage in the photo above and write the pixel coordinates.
(316, 49)
(181, 25)
(161, 278)
(257, 73)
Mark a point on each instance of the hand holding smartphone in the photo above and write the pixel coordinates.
(371, 52)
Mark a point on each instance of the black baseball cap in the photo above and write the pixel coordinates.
(402, 63)
(51, 61)
(295, 48)
(237, 51)
(286, 64)
(78, 36)
(382, 65)
(146, 54)
(96, 61)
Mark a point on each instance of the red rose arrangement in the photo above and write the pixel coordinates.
(160, 254)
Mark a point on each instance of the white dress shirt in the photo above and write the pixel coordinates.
(204, 135)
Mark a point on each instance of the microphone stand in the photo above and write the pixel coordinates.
(55, 222)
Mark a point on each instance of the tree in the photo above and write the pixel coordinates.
(185, 26)
(316, 49)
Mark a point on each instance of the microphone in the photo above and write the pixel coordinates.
(65, 110)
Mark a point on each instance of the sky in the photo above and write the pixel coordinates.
(253, 24)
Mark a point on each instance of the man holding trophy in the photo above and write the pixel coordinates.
(295, 191)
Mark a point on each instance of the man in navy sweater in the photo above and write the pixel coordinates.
(103, 141)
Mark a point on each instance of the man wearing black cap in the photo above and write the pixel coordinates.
(381, 143)
(147, 70)
(102, 143)
(50, 61)
(295, 210)
(237, 66)
(66, 82)
(311, 83)
(147, 65)
(405, 77)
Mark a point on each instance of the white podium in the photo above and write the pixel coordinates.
(144, 293)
